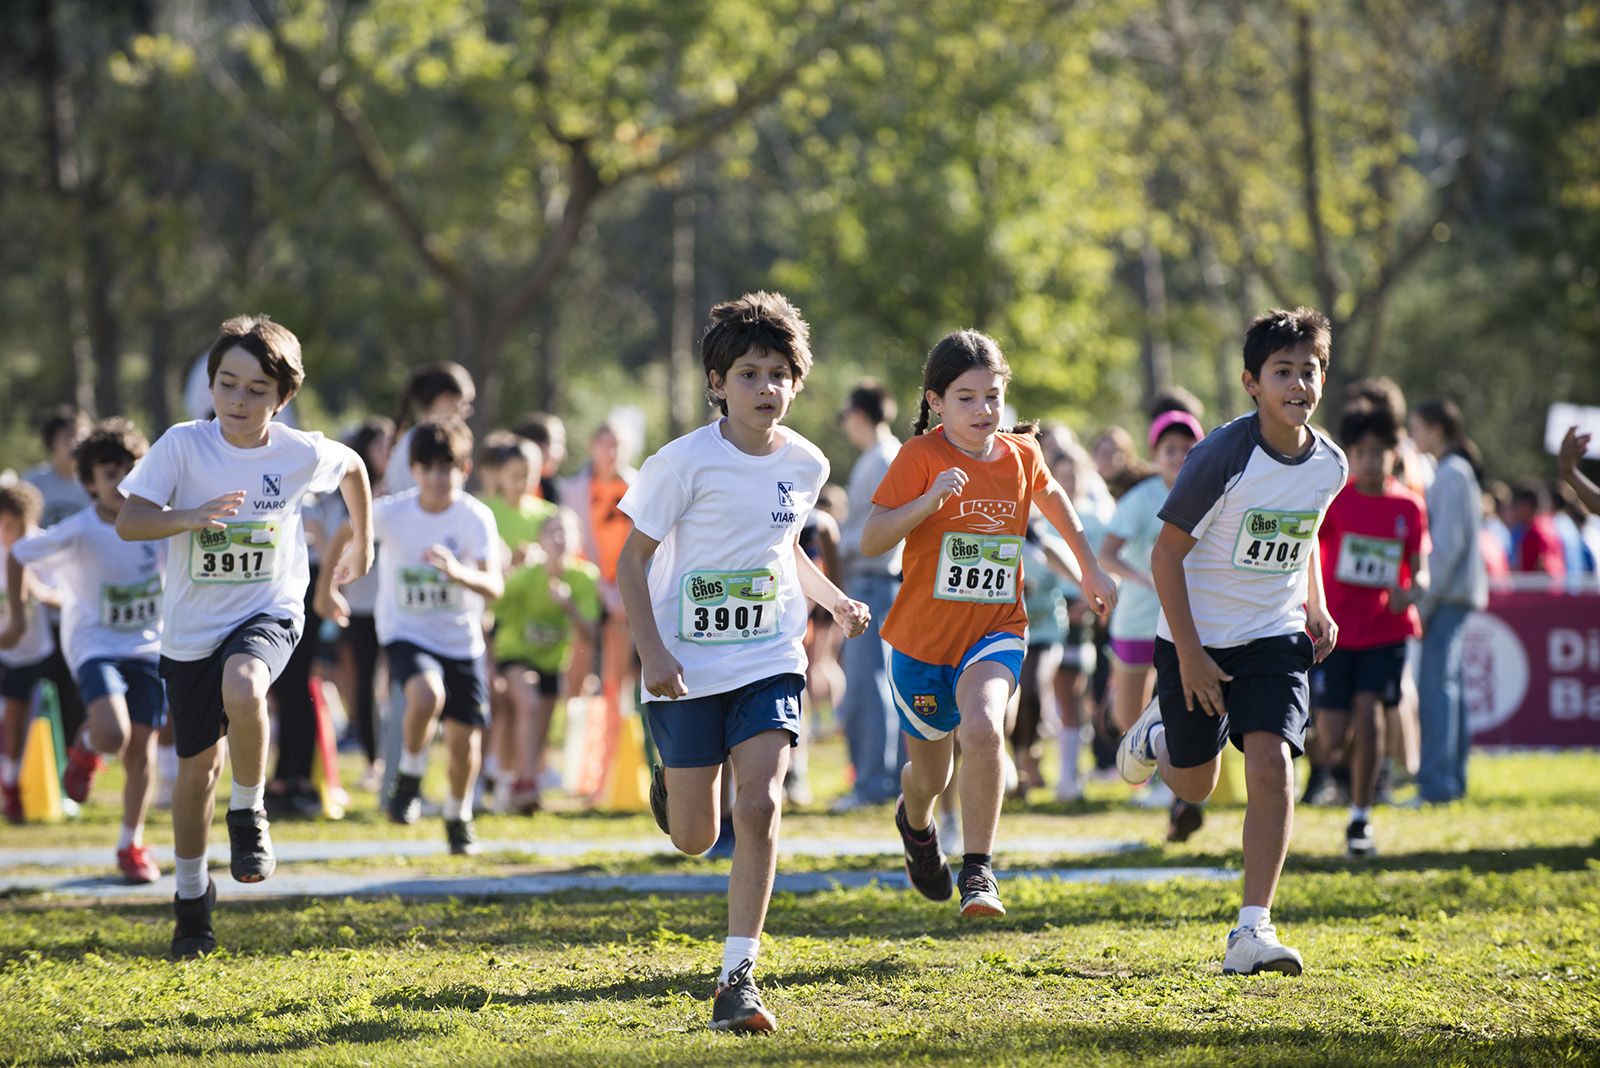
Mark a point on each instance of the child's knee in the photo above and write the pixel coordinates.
(756, 810)
(245, 681)
(425, 690)
(981, 733)
(693, 837)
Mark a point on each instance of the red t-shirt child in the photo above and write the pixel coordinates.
(1366, 545)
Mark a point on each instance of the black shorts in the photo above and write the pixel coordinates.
(1347, 672)
(194, 687)
(18, 683)
(1269, 692)
(466, 682)
(548, 684)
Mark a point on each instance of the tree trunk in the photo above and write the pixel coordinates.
(1157, 349)
(680, 353)
(157, 383)
(105, 332)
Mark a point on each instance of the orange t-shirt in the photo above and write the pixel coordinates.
(963, 564)
(611, 526)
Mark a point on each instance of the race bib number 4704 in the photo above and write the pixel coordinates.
(723, 607)
(1275, 541)
(978, 567)
(246, 551)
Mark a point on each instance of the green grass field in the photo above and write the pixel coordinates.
(1473, 939)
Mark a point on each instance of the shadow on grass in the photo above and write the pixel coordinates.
(359, 1032)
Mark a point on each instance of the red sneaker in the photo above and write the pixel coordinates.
(11, 803)
(82, 766)
(136, 865)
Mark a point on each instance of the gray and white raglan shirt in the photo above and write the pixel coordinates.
(1254, 514)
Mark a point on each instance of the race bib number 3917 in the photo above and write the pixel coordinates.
(1275, 541)
(246, 551)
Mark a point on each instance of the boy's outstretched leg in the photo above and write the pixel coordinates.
(1253, 946)
(138, 762)
(193, 804)
(465, 745)
(692, 800)
(424, 693)
(982, 693)
(245, 681)
(924, 777)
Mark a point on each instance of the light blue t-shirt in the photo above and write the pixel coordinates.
(1138, 524)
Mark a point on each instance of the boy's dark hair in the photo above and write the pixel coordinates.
(955, 355)
(1531, 491)
(504, 445)
(1174, 399)
(1444, 415)
(1278, 330)
(427, 384)
(23, 500)
(62, 417)
(371, 430)
(539, 428)
(436, 441)
(275, 348)
(873, 400)
(762, 321)
(110, 441)
(1378, 390)
(1375, 419)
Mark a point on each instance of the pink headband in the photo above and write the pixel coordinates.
(1166, 420)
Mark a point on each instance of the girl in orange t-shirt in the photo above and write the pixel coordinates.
(960, 497)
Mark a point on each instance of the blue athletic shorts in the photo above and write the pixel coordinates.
(140, 680)
(700, 732)
(17, 683)
(925, 694)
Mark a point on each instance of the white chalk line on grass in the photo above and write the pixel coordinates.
(331, 885)
(314, 852)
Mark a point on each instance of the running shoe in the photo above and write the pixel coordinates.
(1184, 818)
(980, 894)
(926, 866)
(736, 1006)
(192, 936)
(1358, 840)
(250, 845)
(1257, 949)
(405, 799)
(463, 837)
(82, 766)
(136, 865)
(1136, 760)
(658, 797)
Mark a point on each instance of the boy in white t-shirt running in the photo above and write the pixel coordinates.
(715, 587)
(110, 632)
(226, 495)
(439, 568)
(1243, 613)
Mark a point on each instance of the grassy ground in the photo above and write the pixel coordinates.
(1473, 939)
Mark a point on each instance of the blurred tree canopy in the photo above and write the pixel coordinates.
(553, 192)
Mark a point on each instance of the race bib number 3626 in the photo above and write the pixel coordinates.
(724, 607)
(1275, 541)
(978, 567)
(246, 551)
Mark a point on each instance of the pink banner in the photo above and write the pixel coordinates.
(1531, 669)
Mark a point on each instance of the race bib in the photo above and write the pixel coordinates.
(1373, 562)
(131, 607)
(1275, 541)
(543, 635)
(725, 607)
(978, 567)
(245, 551)
(425, 589)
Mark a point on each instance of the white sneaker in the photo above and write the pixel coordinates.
(1136, 761)
(1257, 949)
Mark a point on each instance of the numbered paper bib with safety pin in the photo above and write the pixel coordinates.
(1373, 562)
(978, 567)
(723, 607)
(1275, 541)
(134, 606)
(243, 552)
(426, 589)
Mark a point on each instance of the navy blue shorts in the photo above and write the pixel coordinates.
(18, 683)
(466, 682)
(194, 687)
(925, 694)
(699, 732)
(1347, 672)
(139, 680)
(1269, 692)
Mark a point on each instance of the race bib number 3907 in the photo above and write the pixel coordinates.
(1275, 541)
(724, 607)
(978, 567)
(246, 551)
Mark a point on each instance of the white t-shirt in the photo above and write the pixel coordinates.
(416, 603)
(723, 583)
(110, 588)
(1138, 523)
(36, 642)
(1254, 514)
(218, 579)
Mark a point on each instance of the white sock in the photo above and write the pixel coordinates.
(458, 808)
(131, 836)
(735, 951)
(413, 763)
(8, 771)
(1254, 916)
(247, 796)
(491, 767)
(1158, 742)
(1071, 740)
(192, 877)
(1357, 812)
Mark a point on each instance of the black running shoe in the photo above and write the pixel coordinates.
(1184, 818)
(462, 836)
(926, 867)
(1358, 840)
(250, 845)
(980, 894)
(405, 800)
(658, 797)
(737, 1005)
(192, 936)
